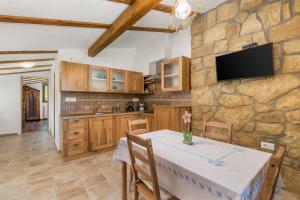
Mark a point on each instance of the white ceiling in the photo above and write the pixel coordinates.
(41, 37)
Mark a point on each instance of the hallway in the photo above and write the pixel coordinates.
(31, 126)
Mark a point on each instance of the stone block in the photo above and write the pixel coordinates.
(232, 100)
(292, 46)
(269, 128)
(237, 44)
(202, 50)
(238, 116)
(211, 18)
(220, 46)
(251, 25)
(248, 4)
(263, 107)
(288, 30)
(233, 30)
(291, 64)
(218, 32)
(275, 116)
(227, 11)
(270, 14)
(286, 11)
(293, 116)
(290, 101)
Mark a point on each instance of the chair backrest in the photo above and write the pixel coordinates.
(141, 126)
(269, 185)
(143, 165)
(218, 135)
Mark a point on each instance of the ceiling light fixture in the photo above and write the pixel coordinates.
(27, 64)
(182, 9)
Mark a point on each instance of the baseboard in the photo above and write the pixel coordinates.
(8, 134)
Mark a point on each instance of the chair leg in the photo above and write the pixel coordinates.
(130, 180)
(135, 193)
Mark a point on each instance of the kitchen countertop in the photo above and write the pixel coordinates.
(103, 114)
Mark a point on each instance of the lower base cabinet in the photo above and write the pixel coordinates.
(170, 118)
(101, 133)
(97, 133)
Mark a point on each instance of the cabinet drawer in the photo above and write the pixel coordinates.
(75, 135)
(76, 123)
(76, 148)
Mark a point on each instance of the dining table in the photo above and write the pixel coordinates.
(205, 170)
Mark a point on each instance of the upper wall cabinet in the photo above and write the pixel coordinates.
(74, 76)
(175, 74)
(135, 82)
(117, 80)
(98, 79)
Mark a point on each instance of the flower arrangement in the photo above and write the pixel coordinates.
(187, 135)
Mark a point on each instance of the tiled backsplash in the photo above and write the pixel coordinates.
(89, 102)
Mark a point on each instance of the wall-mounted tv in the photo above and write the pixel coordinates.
(253, 62)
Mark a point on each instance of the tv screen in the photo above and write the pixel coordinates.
(249, 63)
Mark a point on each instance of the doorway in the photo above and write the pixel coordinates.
(35, 95)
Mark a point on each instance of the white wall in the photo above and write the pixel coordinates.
(10, 102)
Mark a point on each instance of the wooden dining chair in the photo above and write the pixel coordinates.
(273, 171)
(138, 126)
(219, 134)
(144, 170)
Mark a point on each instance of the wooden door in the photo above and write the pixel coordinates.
(101, 132)
(135, 82)
(32, 103)
(118, 80)
(122, 125)
(165, 118)
(98, 79)
(74, 76)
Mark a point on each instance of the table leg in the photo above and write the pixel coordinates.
(124, 180)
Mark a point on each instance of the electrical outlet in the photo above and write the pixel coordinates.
(267, 145)
(135, 99)
(70, 99)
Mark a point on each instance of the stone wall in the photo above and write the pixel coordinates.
(265, 109)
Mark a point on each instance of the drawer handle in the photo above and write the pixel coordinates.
(75, 133)
(75, 145)
(75, 120)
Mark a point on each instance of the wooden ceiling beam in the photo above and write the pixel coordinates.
(71, 23)
(30, 52)
(24, 72)
(36, 66)
(27, 60)
(137, 10)
(159, 7)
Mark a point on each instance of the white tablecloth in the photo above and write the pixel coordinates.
(206, 170)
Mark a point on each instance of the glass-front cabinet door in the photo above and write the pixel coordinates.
(117, 80)
(98, 79)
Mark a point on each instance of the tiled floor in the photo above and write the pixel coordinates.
(31, 168)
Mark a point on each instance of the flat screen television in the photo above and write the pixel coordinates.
(249, 63)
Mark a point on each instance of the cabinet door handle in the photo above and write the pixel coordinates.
(75, 145)
(76, 133)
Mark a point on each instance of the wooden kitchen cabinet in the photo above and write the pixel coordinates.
(117, 80)
(122, 125)
(175, 74)
(74, 76)
(169, 118)
(98, 79)
(75, 137)
(135, 82)
(101, 133)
